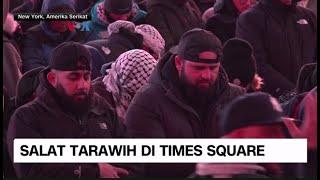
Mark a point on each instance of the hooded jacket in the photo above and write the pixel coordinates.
(158, 110)
(172, 20)
(40, 40)
(44, 118)
(98, 25)
(283, 40)
(223, 22)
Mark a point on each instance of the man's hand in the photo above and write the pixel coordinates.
(109, 171)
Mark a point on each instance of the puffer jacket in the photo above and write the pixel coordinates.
(158, 110)
(223, 22)
(172, 20)
(44, 118)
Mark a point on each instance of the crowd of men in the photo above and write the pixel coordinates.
(161, 69)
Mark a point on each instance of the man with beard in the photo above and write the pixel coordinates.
(66, 107)
(172, 18)
(284, 38)
(183, 98)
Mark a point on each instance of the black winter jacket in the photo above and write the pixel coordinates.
(158, 110)
(223, 22)
(172, 20)
(283, 41)
(44, 118)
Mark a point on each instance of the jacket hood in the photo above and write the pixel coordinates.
(225, 7)
(27, 85)
(49, 5)
(166, 75)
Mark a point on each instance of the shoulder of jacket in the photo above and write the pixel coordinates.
(100, 106)
(150, 89)
(216, 18)
(255, 12)
(305, 11)
(27, 112)
(35, 34)
(149, 94)
(35, 28)
(236, 90)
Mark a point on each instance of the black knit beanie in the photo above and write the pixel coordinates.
(238, 61)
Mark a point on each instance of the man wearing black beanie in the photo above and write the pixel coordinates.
(240, 64)
(66, 107)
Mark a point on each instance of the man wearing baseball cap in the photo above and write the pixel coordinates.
(65, 107)
(238, 120)
(183, 98)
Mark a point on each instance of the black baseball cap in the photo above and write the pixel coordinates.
(70, 56)
(196, 41)
(256, 108)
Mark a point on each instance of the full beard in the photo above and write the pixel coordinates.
(70, 104)
(194, 94)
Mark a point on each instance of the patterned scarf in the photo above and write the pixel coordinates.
(151, 37)
(127, 75)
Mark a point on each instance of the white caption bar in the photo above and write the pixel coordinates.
(160, 150)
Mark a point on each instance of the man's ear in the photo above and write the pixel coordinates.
(178, 62)
(52, 78)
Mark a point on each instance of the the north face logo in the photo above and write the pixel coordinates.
(103, 126)
(302, 21)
